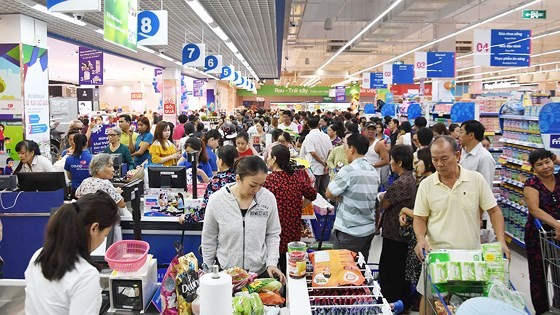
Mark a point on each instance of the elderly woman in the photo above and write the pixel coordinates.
(101, 170)
(116, 147)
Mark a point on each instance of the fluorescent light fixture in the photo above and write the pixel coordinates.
(218, 30)
(146, 49)
(200, 11)
(43, 9)
(166, 57)
(508, 70)
(470, 27)
(100, 31)
(362, 32)
(505, 76)
(546, 53)
(467, 68)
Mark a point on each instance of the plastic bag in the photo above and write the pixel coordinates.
(187, 283)
(332, 268)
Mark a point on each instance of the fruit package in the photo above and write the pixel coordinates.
(333, 268)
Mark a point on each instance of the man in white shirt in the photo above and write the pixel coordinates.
(474, 156)
(316, 147)
(287, 122)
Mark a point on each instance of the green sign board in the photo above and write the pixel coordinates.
(273, 90)
(534, 14)
(120, 24)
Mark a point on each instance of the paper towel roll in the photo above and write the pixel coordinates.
(216, 294)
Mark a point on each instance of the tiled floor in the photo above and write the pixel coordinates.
(518, 270)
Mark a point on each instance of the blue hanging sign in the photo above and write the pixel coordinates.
(228, 73)
(376, 81)
(152, 27)
(502, 48)
(194, 55)
(441, 64)
(213, 64)
(403, 74)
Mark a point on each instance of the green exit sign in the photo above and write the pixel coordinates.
(534, 14)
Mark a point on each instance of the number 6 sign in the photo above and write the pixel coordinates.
(213, 64)
(194, 55)
(152, 28)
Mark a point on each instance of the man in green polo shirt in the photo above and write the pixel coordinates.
(128, 136)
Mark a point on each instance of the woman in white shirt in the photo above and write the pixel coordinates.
(31, 159)
(60, 277)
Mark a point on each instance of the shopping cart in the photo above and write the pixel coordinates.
(550, 250)
(445, 298)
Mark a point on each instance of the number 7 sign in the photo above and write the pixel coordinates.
(194, 55)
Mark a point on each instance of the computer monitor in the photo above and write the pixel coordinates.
(167, 177)
(8, 182)
(41, 181)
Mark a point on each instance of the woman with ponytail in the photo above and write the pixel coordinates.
(61, 278)
(293, 191)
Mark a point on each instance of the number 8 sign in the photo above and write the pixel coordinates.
(194, 55)
(152, 28)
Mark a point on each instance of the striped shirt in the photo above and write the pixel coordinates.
(357, 183)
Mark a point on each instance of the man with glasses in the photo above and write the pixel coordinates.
(128, 136)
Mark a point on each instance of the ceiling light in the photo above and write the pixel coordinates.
(365, 29)
(100, 31)
(43, 9)
(218, 30)
(472, 26)
(166, 57)
(146, 49)
(546, 53)
(328, 24)
(200, 11)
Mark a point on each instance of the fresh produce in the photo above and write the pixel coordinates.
(247, 304)
(240, 278)
(263, 285)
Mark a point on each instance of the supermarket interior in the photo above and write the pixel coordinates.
(90, 75)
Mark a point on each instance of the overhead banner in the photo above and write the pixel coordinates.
(388, 74)
(238, 78)
(121, 23)
(376, 81)
(340, 94)
(403, 74)
(90, 63)
(274, 90)
(73, 5)
(213, 64)
(434, 64)
(194, 55)
(152, 27)
(228, 73)
(502, 48)
(198, 88)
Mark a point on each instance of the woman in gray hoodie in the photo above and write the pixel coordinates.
(241, 227)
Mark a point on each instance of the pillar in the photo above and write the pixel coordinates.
(24, 84)
(171, 96)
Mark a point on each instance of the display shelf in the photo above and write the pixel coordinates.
(492, 133)
(523, 143)
(534, 132)
(513, 204)
(495, 150)
(441, 113)
(489, 114)
(512, 182)
(519, 117)
(515, 240)
(506, 159)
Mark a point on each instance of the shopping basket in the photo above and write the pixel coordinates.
(550, 250)
(440, 297)
(127, 255)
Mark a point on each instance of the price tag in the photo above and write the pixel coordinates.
(152, 28)
(213, 64)
(194, 55)
(228, 73)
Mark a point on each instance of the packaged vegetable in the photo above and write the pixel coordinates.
(271, 298)
(241, 305)
(187, 283)
(240, 278)
(257, 307)
(264, 284)
(333, 268)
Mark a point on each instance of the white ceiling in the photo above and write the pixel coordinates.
(63, 66)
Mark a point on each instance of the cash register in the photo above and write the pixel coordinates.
(133, 291)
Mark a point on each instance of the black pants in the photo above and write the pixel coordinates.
(356, 244)
(321, 183)
(392, 266)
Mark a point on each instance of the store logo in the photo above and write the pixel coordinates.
(555, 141)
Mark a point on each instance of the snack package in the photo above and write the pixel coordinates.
(492, 251)
(187, 283)
(271, 298)
(263, 285)
(333, 268)
(168, 289)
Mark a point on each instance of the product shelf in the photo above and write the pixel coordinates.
(506, 159)
(490, 114)
(513, 182)
(515, 240)
(519, 117)
(524, 131)
(523, 143)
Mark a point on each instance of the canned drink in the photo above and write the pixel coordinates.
(296, 264)
(297, 246)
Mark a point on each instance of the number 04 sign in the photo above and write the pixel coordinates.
(152, 28)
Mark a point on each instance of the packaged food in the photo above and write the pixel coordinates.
(499, 291)
(492, 251)
(271, 298)
(468, 272)
(333, 268)
(296, 264)
(263, 285)
(187, 283)
(240, 278)
(438, 272)
(453, 271)
(481, 271)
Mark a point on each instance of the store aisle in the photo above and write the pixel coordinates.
(519, 275)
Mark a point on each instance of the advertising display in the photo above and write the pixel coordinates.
(73, 5)
(36, 97)
(340, 94)
(152, 27)
(198, 88)
(10, 80)
(170, 90)
(90, 63)
(549, 126)
(99, 138)
(194, 55)
(403, 74)
(273, 90)
(502, 48)
(121, 23)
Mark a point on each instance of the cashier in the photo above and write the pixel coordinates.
(31, 159)
(101, 170)
(61, 278)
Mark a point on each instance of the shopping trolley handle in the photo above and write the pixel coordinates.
(539, 224)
